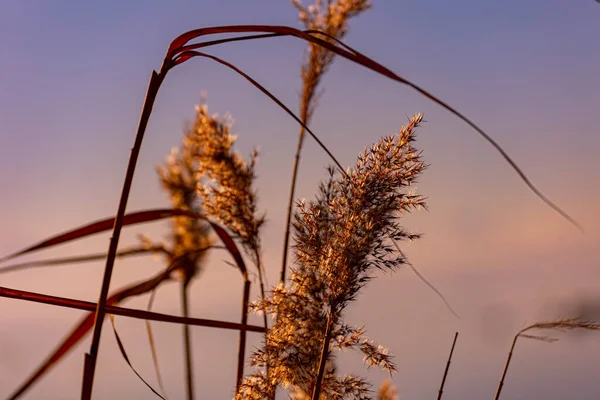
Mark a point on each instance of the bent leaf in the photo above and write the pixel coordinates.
(180, 51)
(129, 219)
(93, 228)
(126, 312)
(153, 347)
(74, 260)
(126, 357)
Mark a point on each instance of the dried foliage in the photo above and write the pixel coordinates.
(559, 325)
(341, 238)
(226, 179)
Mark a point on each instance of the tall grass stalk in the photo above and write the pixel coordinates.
(560, 325)
(187, 344)
(92, 356)
(242, 344)
(316, 393)
(441, 391)
(124, 311)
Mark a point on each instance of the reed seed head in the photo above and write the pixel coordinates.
(225, 181)
(330, 17)
(341, 238)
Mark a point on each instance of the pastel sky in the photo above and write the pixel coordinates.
(72, 80)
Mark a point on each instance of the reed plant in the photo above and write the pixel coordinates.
(558, 325)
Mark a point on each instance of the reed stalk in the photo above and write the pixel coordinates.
(123, 311)
(506, 365)
(441, 391)
(323, 360)
(92, 356)
(242, 343)
(559, 325)
(187, 344)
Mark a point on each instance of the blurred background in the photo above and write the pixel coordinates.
(73, 77)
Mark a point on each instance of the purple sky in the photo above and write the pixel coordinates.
(72, 80)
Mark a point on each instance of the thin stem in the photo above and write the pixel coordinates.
(73, 260)
(126, 312)
(187, 343)
(288, 222)
(91, 357)
(262, 297)
(510, 353)
(261, 284)
(153, 347)
(311, 75)
(242, 344)
(323, 360)
(441, 391)
(422, 278)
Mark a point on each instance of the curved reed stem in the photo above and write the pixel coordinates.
(90, 358)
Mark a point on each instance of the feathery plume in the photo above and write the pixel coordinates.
(341, 238)
(226, 184)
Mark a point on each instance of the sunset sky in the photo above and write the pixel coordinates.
(72, 80)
